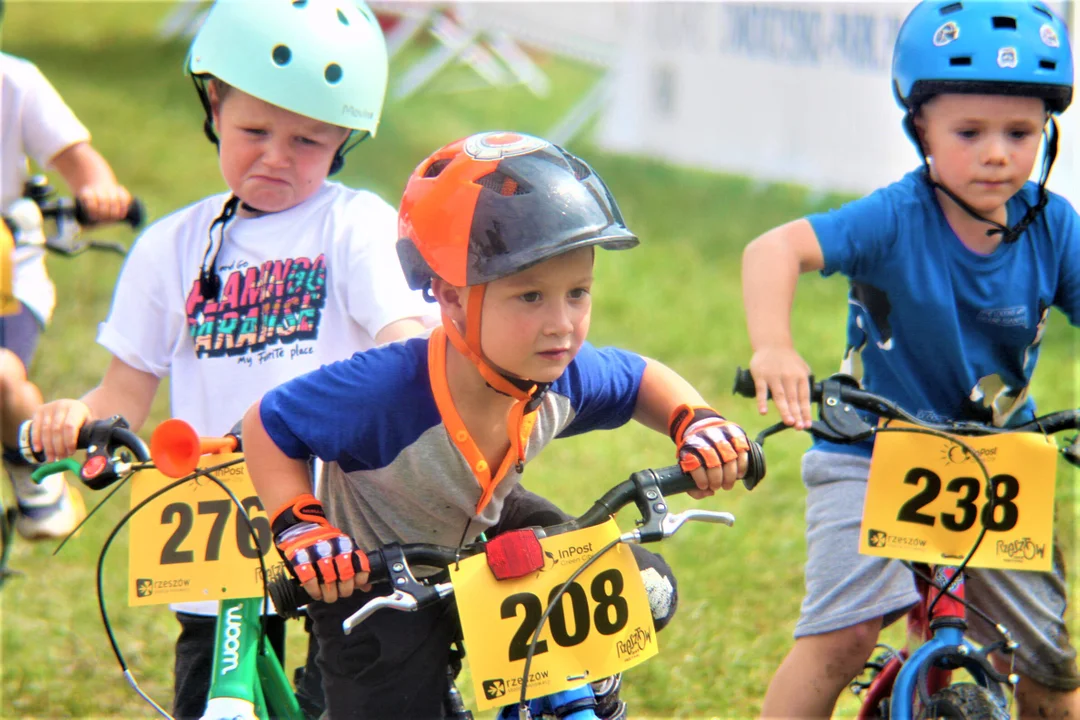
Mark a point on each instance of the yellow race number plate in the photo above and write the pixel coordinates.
(926, 499)
(601, 626)
(190, 543)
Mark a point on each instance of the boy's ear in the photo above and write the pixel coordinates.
(213, 94)
(451, 299)
(919, 122)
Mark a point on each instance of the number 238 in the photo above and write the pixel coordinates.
(1004, 516)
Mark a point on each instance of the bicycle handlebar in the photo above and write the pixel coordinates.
(26, 217)
(101, 439)
(136, 213)
(839, 394)
(38, 189)
(646, 488)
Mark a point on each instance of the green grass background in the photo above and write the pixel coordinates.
(676, 298)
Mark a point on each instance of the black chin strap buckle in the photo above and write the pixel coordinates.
(209, 284)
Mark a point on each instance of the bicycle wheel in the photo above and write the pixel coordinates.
(964, 701)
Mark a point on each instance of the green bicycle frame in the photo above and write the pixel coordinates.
(247, 682)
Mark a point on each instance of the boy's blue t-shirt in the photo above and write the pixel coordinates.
(943, 331)
(400, 466)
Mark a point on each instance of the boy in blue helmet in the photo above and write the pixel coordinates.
(953, 270)
(287, 271)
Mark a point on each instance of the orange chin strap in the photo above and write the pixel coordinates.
(469, 346)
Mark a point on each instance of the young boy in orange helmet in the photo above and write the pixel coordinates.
(427, 439)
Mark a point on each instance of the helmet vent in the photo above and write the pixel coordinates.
(341, 18)
(299, 3)
(281, 55)
(1004, 23)
(954, 7)
(960, 61)
(501, 183)
(333, 73)
(581, 170)
(1048, 65)
(436, 167)
(1041, 9)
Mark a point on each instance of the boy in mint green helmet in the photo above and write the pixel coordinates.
(341, 80)
(244, 290)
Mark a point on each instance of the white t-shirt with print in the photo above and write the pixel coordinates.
(34, 123)
(299, 288)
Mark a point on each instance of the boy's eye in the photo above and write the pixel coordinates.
(308, 141)
(255, 131)
(1020, 134)
(968, 134)
(579, 293)
(531, 297)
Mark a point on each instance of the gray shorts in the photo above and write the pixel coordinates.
(844, 588)
(19, 334)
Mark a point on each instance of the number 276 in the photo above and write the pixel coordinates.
(171, 554)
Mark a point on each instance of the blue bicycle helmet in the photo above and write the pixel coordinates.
(991, 47)
(984, 47)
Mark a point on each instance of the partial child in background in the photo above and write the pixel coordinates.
(35, 123)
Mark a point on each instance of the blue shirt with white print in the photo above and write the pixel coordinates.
(395, 467)
(945, 332)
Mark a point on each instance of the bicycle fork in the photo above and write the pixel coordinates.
(947, 649)
(246, 682)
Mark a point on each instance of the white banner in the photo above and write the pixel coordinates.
(793, 92)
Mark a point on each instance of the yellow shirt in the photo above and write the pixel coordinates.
(9, 305)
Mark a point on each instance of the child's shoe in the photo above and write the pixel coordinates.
(608, 704)
(49, 510)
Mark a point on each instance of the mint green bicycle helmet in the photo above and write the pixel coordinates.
(323, 59)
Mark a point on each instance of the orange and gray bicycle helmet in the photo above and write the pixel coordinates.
(490, 206)
(496, 203)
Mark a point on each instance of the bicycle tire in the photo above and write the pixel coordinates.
(964, 701)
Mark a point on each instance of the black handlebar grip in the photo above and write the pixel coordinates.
(30, 455)
(673, 480)
(136, 213)
(744, 384)
(755, 466)
(288, 595)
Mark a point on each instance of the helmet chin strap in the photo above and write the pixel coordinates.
(1009, 235)
(209, 282)
(526, 393)
(469, 346)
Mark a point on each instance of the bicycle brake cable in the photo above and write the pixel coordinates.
(205, 472)
(555, 600)
(116, 488)
(1001, 629)
(991, 498)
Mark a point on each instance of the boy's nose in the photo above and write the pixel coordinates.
(275, 155)
(560, 321)
(995, 152)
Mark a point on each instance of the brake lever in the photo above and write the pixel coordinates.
(1072, 454)
(673, 521)
(398, 600)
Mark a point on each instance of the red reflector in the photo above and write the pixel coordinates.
(93, 466)
(515, 554)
